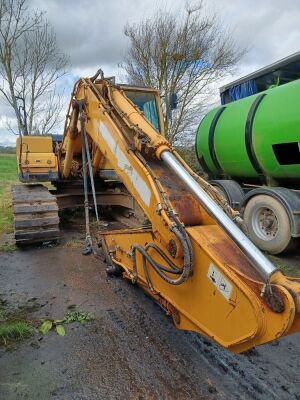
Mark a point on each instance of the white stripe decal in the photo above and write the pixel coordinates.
(123, 163)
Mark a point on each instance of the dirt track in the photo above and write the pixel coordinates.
(132, 350)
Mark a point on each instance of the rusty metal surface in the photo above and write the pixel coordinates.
(70, 194)
(69, 200)
(228, 252)
(188, 208)
(274, 300)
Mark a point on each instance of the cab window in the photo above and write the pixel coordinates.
(146, 103)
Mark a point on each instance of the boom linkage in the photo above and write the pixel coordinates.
(176, 226)
(190, 257)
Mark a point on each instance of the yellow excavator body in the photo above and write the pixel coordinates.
(187, 254)
(36, 158)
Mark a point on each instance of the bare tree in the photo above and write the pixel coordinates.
(30, 65)
(183, 56)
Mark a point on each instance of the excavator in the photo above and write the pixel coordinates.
(183, 244)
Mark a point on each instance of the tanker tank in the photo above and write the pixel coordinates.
(255, 139)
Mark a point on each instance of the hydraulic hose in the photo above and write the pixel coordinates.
(163, 271)
(259, 261)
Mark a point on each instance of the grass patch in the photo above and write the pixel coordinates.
(14, 324)
(8, 169)
(15, 331)
(289, 265)
(2, 315)
(289, 270)
(8, 247)
(8, 176)
(74, 243)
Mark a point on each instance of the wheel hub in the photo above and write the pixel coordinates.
(265, 223)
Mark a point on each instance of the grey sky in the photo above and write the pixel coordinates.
(91, 31)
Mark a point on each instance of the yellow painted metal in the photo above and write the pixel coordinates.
(223, 297)
(137, 119)
(39, 160)
(239, 323)
(35, 144)
(155, 92)
(35, 155)
(69, 141)
(69, 156)
(98, 157)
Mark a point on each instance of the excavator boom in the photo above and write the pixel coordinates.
(188, 253)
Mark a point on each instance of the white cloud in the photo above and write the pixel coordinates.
(7, 138)
(91, 32)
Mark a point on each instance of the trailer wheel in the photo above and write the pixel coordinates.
(221, 192)
(268, 224)
(231, 191)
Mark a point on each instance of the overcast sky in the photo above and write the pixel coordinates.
(91, 32)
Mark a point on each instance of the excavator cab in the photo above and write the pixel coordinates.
(148, 101)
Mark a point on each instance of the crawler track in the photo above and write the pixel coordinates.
(35, 214)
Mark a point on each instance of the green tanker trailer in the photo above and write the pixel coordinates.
(249, 147)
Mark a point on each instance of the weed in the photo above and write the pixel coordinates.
(8, 247)
(71, 316)
(15, 331)
(78, 316)
(74, 243)
(48, 324)
(14, 325)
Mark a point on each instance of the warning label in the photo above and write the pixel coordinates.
(219, 280)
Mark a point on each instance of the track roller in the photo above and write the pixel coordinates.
(35, 214)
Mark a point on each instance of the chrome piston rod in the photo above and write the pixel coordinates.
(259, 261)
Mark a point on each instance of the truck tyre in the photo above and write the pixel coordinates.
(230, 191)
(268, 224)
(221, 192)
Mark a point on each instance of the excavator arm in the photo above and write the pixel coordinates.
(188, 254)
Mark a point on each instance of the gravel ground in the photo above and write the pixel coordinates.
(132, 350)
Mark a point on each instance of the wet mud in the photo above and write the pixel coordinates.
(132, 350)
